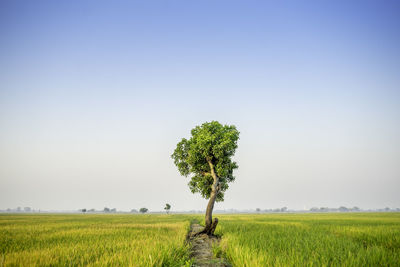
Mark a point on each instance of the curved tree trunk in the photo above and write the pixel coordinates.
(210, 224)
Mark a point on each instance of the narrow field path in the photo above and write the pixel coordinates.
(201, 248)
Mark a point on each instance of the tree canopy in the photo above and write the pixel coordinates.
(167, 207)
(143, 210)
(209, 149)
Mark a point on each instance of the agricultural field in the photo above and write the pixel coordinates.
(338, 239)
(94, 240)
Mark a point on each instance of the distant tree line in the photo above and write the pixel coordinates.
(20, 209)
(167, 209)
(340, 209)
(283, 209)
(142, 210)
(326, 209)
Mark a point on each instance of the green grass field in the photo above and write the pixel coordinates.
(93, 240)
(351, 239)
(344, 239)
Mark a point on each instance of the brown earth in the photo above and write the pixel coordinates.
(201, 248)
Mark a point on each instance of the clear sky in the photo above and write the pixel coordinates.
(94, 96)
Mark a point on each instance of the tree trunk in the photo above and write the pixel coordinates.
(210, 224)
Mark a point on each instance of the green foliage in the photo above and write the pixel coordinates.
(143, 210)
(167, 207)
(213, 143)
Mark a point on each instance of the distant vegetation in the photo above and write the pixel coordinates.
(107, 210)
(143, 210)
(326, 209)
(167, 208)
(341, 209)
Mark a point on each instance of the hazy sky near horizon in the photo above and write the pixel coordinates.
(95, 95)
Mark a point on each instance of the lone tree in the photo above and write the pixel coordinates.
(207, 158)
(167, 208)
(143, 210)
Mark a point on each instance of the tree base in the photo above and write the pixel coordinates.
(210, 229)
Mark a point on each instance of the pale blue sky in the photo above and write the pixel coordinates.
(94, 96)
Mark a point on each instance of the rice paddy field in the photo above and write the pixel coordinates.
(94, 240)
(330, 239)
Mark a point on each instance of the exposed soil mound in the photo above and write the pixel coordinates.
(201, 248)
